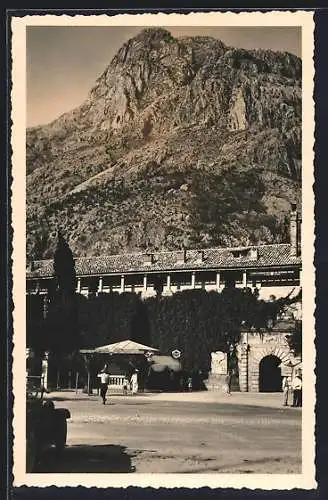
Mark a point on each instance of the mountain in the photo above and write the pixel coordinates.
(181, 142)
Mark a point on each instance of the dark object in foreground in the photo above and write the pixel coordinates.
(46, 426)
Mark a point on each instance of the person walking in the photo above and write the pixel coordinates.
(104, 381)
(285, 390)
(134, 382)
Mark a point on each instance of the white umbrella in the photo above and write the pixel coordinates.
(123, 347)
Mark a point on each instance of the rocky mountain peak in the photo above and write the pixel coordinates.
(163, 111)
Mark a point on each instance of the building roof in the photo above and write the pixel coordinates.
(266, 256)
(123, 347)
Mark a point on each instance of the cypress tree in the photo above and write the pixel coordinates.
(62, 320)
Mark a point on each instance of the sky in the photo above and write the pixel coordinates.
(63, 62)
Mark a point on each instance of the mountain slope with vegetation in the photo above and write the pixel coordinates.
(181, 142)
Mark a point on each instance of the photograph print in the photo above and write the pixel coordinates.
(163, 238)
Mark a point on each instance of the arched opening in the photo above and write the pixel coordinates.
(270, 374)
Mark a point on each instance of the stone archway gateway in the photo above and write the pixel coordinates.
(259, 362)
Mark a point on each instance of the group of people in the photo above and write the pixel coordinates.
(105, 379)
(294, 386)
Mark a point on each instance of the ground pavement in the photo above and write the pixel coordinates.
(179, 432)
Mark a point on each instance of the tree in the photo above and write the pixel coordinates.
(62, 320)
(64, 267)
(295, 339)
(199, 322)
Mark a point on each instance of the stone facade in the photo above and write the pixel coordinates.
(256, 350)
(272, 269)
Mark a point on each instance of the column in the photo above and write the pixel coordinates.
(122, 283)
(193, 279)
(243, 368)
(45, 306)
(167, 289)
(244, 279)
(145, 283)
(78, 288)
(45, 363)
(253, 375)
(100, 285)
(218, 281)
(29, 356)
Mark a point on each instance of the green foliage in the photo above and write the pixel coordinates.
(295, 339)
(56, 329)
(231, 203)
(64, 267)
(35, 337)
(199, 322)
(111, 318)
(195, 321)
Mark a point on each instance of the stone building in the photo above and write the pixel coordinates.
(275, 270)
(264, 359)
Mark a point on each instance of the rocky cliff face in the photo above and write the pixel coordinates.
(180, 142)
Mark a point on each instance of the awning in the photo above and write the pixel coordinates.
(123, 347)
(160, 363)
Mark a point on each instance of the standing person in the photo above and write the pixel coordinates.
(134, 382)
(297, 390)
(285, 390)
(104, 381)
(125, 386)
(228, 383)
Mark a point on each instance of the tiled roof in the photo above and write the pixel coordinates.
(212, 258)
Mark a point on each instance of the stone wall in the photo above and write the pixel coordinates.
(253, 348)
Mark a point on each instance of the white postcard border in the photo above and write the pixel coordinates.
(306, 480)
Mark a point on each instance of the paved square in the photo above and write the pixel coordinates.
(179, 433)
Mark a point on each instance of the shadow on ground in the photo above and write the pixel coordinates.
(66, 398)
(87, 458)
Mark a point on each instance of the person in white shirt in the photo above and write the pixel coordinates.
(297, 389)
(285, 390)
(134, 382)
(104, 381)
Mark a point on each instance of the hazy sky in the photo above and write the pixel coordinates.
(63, 63)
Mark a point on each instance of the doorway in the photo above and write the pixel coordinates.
(270, 374)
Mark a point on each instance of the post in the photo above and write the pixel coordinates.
(45, 306)
(193, 279)
(122, 283)
(145, 283)
(218, 281)
(244, 279)
(76, 381)
(58, 377)
(29, 360)
(78, 289)
(243, 366)
(89, 382)
(100, 285)
(294, 231)
(45, 367)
